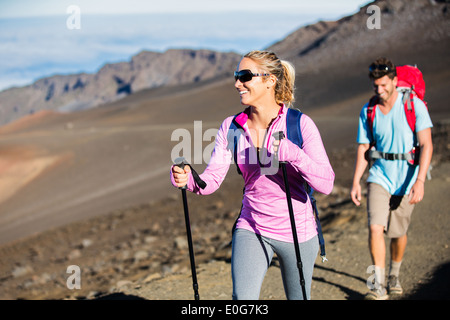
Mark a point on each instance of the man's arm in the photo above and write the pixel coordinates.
(426, 152)
(360, 167)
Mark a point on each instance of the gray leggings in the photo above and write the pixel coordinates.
(251, 257)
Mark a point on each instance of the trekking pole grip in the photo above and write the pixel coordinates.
(278, 136)
(181, 163)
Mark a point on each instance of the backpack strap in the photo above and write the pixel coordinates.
(371, 108)
(235, 143)
(408, 102)
(293, 130)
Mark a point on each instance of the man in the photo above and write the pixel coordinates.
(394, 186)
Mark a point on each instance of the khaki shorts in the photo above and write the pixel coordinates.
(392, 212)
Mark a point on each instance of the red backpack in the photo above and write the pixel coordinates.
(410, 84)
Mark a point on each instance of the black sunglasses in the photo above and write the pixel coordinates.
(247, 75)
(381, 67)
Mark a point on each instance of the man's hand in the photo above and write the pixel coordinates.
(417, 192)
(356, 194)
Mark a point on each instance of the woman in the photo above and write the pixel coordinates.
(266, 85)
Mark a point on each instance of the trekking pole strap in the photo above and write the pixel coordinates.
(181, 162)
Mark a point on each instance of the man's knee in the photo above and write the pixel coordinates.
(376, 230)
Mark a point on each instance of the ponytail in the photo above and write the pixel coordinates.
(286, 85)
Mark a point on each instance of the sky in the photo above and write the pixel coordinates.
(47, 37)
(27, 8)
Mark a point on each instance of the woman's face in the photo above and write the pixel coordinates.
(256, 90)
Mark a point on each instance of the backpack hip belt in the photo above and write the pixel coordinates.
(412, 156)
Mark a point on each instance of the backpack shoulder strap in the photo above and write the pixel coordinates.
(235, 143)
(293, 130)
(408, 103)
(371, 112)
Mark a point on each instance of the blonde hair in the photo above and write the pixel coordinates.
(283, 70)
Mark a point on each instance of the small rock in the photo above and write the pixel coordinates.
(150, 239)
(181, 243)
(152, 276)
(122, 283)
(21, 271)
(86, 243)
(141, 255)
(76, 253)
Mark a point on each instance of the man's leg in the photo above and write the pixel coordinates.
(377, 247)
(397, 231)
(378, 215)
(398, 247)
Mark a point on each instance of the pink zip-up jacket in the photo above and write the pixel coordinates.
(264, 205)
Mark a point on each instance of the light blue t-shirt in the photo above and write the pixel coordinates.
(392, 134)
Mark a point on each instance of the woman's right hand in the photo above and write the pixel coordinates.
(181, 176)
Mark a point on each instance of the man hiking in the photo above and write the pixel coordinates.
(395, 184)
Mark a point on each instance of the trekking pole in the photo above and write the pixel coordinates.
(278, 136)
(181, 162)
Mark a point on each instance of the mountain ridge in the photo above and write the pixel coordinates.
(313, 49)
(113, 81)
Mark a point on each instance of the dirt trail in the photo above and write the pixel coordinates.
(141, 252)
(425, 272)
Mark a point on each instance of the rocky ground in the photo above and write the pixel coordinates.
(141, 252)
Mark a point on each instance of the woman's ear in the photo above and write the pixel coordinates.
(271, 81)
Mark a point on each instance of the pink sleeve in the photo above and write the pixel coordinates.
(218, 165)
(312, 161)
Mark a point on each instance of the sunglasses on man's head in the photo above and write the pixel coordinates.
(247, 75)
(380, 67)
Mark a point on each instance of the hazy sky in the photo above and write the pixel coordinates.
(27, 8)
(36, 42)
